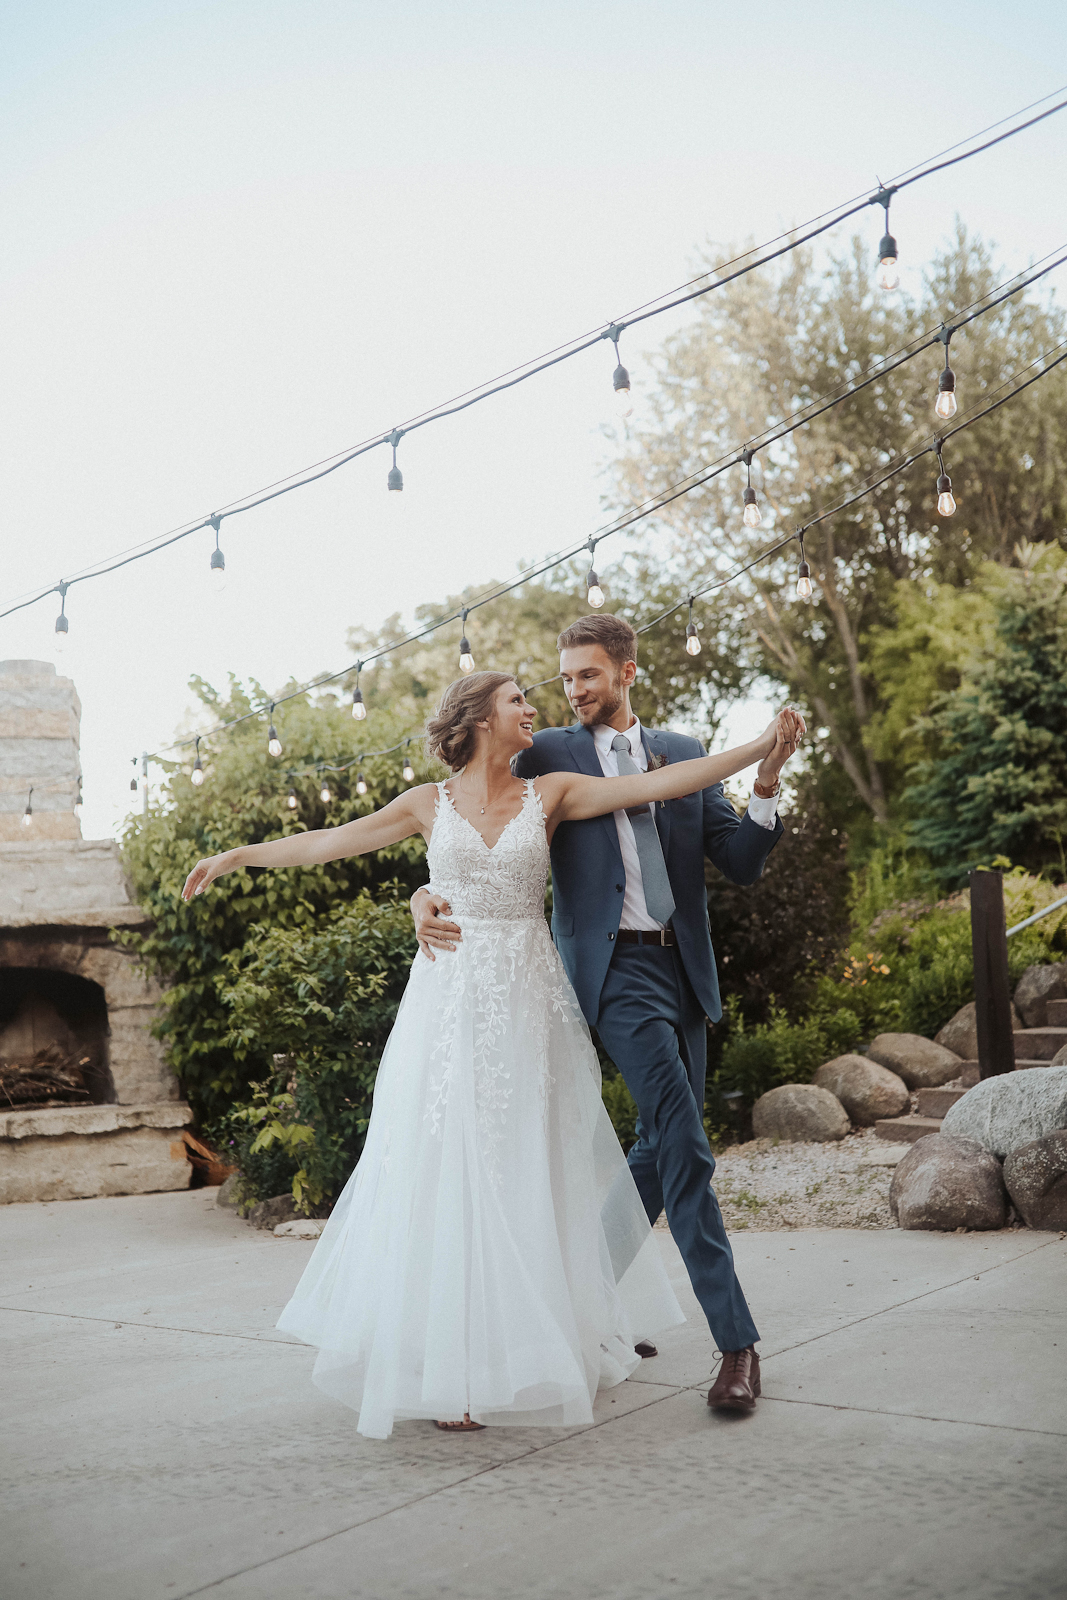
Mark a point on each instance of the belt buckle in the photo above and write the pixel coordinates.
(663, 936)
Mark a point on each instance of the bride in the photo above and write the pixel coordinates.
(489, 1258)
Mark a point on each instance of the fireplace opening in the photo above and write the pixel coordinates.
(53, 1040)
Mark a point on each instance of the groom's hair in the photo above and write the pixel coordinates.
(614, 636)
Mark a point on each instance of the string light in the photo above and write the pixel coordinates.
(466, 657)
(594, 594)
(395, 480)
(198, 768)
(361, 782)
(292, 801)
(274, 744)
(324, 793)
(61, 621)
(803, 573)
(27, 815)
(409, 770)
(620, 378)
(686, 487)
(751, 517)
(888, 275)
(218, 560)
(359, 710)
(945, 405)
(946, 504)
(692, 643)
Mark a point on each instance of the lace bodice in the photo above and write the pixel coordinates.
(506, 882)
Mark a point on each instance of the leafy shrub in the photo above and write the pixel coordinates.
(323, 1000)
(243, 801)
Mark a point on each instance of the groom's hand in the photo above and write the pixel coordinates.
(785, 732)
(431, 930)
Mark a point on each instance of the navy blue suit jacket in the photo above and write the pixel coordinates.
(588, 881)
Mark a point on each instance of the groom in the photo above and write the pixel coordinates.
(631, 925)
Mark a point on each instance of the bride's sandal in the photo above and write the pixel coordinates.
(466, 1426)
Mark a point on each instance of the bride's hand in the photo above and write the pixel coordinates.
(205, 872)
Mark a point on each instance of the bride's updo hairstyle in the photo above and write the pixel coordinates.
(450, 732)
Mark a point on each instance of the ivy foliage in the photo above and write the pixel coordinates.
(318, 1003)
(244, 801)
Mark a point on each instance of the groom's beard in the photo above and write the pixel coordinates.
(601, 710)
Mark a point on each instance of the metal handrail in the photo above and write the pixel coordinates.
(1019, 926)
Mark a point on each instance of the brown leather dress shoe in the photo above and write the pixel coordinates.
(646, 1349)
(737, 1386)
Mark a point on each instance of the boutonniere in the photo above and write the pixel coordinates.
(655, 762)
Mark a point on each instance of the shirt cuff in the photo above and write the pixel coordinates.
(763, 810)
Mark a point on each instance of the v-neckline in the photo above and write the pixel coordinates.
(489, 848)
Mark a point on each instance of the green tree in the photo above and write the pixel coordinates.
(244, 801)
(772, 343)
(997, 783)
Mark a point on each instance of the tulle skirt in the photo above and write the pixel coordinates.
(490, 1253)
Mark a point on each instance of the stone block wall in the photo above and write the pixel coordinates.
(40, 716)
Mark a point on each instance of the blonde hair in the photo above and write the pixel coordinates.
(450, 732)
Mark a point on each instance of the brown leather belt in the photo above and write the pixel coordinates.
(639, 936)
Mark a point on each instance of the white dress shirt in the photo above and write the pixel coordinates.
(634, 911)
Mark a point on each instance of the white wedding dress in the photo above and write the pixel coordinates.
(490, 1253)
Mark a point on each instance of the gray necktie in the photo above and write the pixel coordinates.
(658, 897)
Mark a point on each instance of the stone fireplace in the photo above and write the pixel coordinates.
(90, 1106)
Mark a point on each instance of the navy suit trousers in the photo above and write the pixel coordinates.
(653, 1027)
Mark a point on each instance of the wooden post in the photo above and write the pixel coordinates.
(992, 993)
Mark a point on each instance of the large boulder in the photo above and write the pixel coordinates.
(1036, 987)
(945, 1183)
(920, 1062)
(866, 1090)
(1035, 1176)
(1012, 1109)
(799, 1112)
(960, 1033)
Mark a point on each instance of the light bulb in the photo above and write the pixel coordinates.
(466, 659)
(396, 482)
(945, 405)
(888, 276)
(61, 634)
(274, 744)
(359, 710)
(324, 794)
(292, 801)
(197, 773)
(409, 772)
(623, 401)
(692, 643)
(594, 594)
(946, 504)
(27, 818)
(751, 518)
(804, 587)
(218, 571)
(361, 785)
(133, 785)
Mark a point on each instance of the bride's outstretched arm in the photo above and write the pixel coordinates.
(573, 796)
(411, 812)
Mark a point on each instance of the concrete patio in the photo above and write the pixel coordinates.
(162, 1441)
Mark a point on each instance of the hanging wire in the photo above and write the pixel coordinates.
(794, 240)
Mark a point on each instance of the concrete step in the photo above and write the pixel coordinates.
(1022, 1065)
(906, 1130)
(1039, 1044)
(1056, 1015)
(935, 1102)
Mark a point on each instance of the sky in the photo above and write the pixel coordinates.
(241, 237)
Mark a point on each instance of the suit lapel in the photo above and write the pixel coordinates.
(656, 746)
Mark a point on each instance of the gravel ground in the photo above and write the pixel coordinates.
(764, 1184)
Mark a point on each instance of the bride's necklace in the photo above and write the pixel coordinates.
(481, 809)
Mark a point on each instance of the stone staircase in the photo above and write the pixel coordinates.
(1034, 1047)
